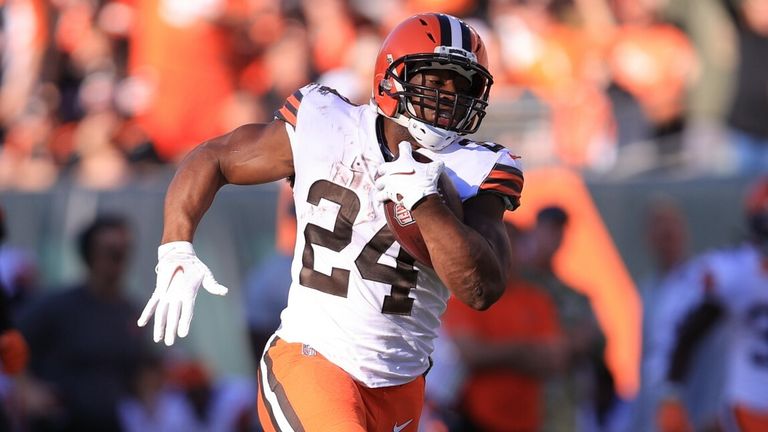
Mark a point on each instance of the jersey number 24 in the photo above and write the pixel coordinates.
(402, 278)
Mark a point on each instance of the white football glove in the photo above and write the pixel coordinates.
(406, 181)
(179, 275)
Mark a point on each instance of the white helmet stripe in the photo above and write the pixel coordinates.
(456, 33)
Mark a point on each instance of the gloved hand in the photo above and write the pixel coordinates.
(179, 275)
(406, 181)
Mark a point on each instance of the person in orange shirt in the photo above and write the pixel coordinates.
(508, 351)
(651, 64)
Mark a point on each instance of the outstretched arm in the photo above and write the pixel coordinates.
(250, 154)
(671, 415)
(694, 328)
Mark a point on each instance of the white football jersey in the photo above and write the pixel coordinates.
(356, 297)
(739, 278)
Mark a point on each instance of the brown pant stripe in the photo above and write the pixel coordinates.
(282, 399)
(267, 405)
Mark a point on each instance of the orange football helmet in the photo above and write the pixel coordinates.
(428, 42)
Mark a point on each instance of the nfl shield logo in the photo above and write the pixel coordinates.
(403, 216)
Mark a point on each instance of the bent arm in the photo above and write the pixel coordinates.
(471, 258)
(697, 324)
(250, 154)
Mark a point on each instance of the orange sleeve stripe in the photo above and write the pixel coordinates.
(293, 103)
(504, 179)
(290, 108)
(286, 115)
(504, 189)
(507, 169)
(504, 176)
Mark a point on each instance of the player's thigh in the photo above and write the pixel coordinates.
(396, 408)
(300, 389)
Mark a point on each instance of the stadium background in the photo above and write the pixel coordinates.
(101, 98)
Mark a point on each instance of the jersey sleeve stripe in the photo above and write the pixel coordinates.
(290, 108)
(501, 168)
(508, 188)
(500, 176)
(286, 115)
(515, 185)
(506, 181)
(504, 175)
(292, 103)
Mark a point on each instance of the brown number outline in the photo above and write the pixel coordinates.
(402, 278)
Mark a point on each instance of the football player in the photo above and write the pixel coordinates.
(356, 337)
(735, 282)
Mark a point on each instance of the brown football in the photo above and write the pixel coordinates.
(405, 228)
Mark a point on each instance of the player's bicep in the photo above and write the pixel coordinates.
(255, 153)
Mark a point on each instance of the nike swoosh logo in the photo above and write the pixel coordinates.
(411, 172)
(402, 426)
(176, 270)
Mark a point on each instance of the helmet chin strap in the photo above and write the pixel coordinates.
(427, 136)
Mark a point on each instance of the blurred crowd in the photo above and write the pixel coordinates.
(100, 91)
(73, 359)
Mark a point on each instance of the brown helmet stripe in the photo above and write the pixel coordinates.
(445, 30)
(466, 37)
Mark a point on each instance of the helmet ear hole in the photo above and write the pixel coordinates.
(384, 86)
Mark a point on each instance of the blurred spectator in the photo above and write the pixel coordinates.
(652, 65)
(558, 61)
(84, 343)
(732, 284)
(182, 55)
(182, 396)
(331, 32)
(507, 350)
(218, 405)
(100, 164)
(353, 78)
(668, 294)
(152, 405)
(288, 65)
(14, 352)
(23, 36)
(579, 394)
(25, 160)
(749, 130)
(19, 277)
